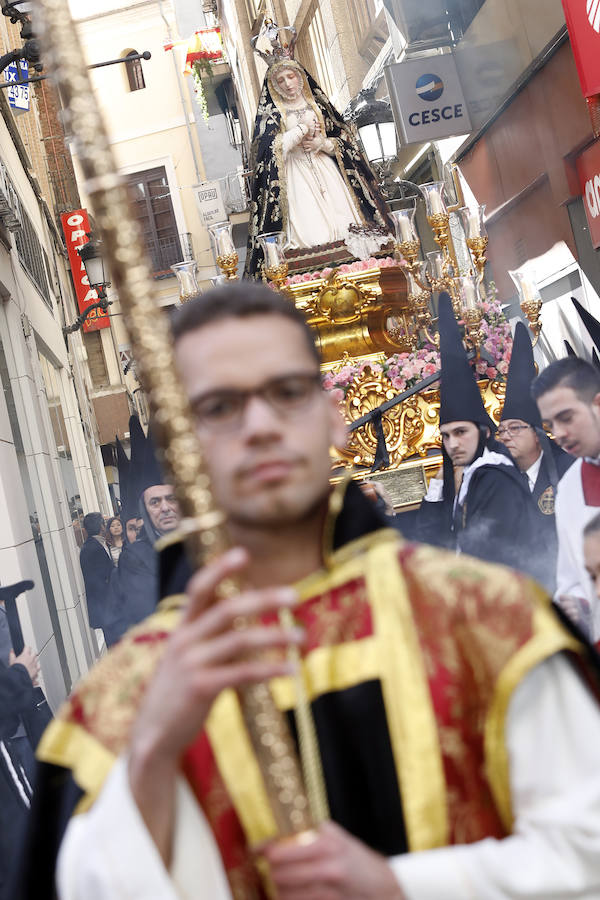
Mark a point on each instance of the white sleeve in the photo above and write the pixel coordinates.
(568, 569)
(292, 137)
(108, 853)
(435, 491)
(553, 735)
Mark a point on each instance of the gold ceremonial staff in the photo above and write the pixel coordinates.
(203, 524)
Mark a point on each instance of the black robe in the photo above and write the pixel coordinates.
(133, 592)
(543, 497)
(495, 522)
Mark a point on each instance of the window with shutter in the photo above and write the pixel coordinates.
(153, 209)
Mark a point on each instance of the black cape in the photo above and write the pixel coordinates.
(543, 498)
(495, 521)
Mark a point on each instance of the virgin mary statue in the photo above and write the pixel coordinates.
(310, 180)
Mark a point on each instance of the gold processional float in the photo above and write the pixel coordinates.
(374, 322)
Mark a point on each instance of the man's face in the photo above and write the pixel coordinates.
(591, 556)
(461, 440)
(131, 529)
(574, 423)
(163, 508)
(271, 465)
(520, 440)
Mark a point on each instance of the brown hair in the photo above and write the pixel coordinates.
(238, 301)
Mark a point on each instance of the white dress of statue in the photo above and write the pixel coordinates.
(320, 206)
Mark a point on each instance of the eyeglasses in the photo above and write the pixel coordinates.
(221, 411)
(513, 430)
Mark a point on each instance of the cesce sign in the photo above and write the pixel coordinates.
(76, 227)
(588, 169)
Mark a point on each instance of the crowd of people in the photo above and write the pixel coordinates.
(453, 682)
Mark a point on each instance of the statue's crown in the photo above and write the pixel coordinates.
(277, 43)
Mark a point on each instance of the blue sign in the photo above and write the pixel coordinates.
(430, 87)
(18, 94)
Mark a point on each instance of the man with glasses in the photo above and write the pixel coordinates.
(541, 461)
(428, 675)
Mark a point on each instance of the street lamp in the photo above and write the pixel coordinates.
(374, 122)
(92, 259)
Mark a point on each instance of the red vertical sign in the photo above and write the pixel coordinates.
(76, 227)
(588, 169)
(583, 22)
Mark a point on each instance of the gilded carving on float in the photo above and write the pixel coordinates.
(411, 428)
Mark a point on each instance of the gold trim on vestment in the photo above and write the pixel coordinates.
(549, 638)
(239, 768)
(332, 669)
(408, 704)
(69, 745)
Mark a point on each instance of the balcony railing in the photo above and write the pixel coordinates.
(167, 251)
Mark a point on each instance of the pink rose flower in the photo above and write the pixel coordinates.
(338, 394)
(308, 276)
(344, 269)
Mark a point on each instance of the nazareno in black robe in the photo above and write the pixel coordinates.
(268, 203)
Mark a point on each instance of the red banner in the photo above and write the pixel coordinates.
(76, 227)
(588, 169)
(583, 22)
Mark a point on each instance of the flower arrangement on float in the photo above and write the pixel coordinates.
(405, 370)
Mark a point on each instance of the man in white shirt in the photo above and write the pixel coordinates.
(568, 396)
(448, 707)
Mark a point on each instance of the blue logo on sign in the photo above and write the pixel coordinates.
(430, 87)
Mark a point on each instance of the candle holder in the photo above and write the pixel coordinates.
(186, 273)
(473, 222)
(275, 266)
(468, 288)
(531, 301)
(407, 239)
(224, 248)
(418, 299)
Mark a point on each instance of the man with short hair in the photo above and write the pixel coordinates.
(477, 503)
(97, 567)
(444, 707)
(538, 457)
(567, 393)
(134, 590)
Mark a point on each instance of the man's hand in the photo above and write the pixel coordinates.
(28, 659)
(204, 655)
(335, 866)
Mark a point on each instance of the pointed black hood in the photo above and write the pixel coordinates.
(569, 349)
(519, 404)
(124, 470)
(460, 396)
(592, 325)
(144, 468)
